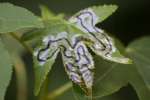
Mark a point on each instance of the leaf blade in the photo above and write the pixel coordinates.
(104, 11)
(14, 18)
(5, 70)
(138, 50)
(41, 71)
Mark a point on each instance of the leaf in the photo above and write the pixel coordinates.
(40, 75)
(115, 96)
(61, 26)
(99, 13)
(104, 11)
(14, 18)
(103, 45)
(58, 81)
(109, 78)
(53, 27)
(5, 70)
(137, 82)
(46, 13)
(139, 52)
(42, 69)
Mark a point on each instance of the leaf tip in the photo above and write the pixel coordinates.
(127, 61)
(36, 92)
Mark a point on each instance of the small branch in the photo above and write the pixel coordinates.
(29, 49)
(59, 91)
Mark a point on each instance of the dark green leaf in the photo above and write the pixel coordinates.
(5, 70)
(139, 52)
(109, 77)
(14, 18)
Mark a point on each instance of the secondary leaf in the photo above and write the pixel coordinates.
(139, 52)
(110, 77)
(14, 18)
(5, 70)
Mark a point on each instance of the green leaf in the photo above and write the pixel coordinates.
(104, 11)
(14, 18)
(100, 13)
(5, 70)
(115, 96)
(139, 52)
(138, 83)
(109, 78)
(86, 21)
(52, 27)
(46, 13)
(118, 75)
(58, 82)
(41, 72)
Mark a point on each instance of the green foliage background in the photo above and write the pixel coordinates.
(130, 22)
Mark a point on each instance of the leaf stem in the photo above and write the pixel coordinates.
(59, 91)
(29, 49)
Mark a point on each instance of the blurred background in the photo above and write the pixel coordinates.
(130, 21)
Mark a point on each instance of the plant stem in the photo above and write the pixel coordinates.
(20, 70)
(59, 91)
(29, 49)
(21, 78)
